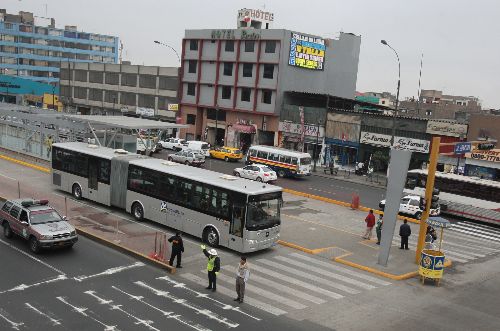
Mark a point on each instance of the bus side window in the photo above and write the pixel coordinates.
(287, 159)
(294, 160)
(253, 152)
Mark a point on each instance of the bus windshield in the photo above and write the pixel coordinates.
(263, 211)
(305, 161)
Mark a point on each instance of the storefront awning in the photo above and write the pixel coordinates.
(244, 128)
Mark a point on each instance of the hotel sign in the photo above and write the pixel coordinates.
(307, 52)
(446, 129)
(384, 140)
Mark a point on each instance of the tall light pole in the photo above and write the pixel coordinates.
(397, 93)
(163, 44)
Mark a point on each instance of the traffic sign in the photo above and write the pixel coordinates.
(462, 148)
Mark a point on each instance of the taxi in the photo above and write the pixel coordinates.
(226, 153)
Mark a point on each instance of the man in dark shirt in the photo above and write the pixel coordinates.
(404, 233)
(177, 249)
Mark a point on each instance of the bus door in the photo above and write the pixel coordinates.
(236, 228)
(92, 180)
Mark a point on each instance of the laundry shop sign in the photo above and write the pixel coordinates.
(384, 140)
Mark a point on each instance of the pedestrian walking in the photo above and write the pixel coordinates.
(242, 274)
(404, 233)
(370, 223)
(48, 143)
(177, 249)
(213, 267)
(378, 228)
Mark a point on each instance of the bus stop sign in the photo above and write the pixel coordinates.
(462, 148)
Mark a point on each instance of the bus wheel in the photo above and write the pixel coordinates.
(211, 237)
(137, 211)
(259, 179)
(281, 173)
(77, 191)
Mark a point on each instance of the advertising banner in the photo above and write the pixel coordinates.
(492, 155)
(307, 52)
(384, 140)
(446, 129)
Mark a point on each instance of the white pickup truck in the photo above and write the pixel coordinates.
(410, 205)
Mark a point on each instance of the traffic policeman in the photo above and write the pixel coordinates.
(213, 267)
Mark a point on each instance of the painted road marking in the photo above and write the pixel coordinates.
(493, 238)
(231, 293)
(23, 287)
(325, 273)
(448, 254)
(39, 312)
(109, 271)
(281, 276)
(341, 269)
(474, 230)
(183, 302)
(13, 324)
(262, 293)
(82, 311)
(281, 287)
(451, 252)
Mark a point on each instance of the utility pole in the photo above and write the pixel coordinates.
(216, 123)
(316, 147)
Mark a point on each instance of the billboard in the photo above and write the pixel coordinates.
(307, 52)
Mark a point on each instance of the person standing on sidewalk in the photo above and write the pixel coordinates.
(378, 228)
(404, 233)
(177, 249)
(242, 274)
(370, 223)
(213, 267)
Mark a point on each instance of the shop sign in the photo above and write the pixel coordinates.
(492, 155)
(462, 148)
(295, 128)
(173, 106)
(307, 52)
(446, 129)
(145, 111)
(375, 139)
(384, 140)
(231, 35)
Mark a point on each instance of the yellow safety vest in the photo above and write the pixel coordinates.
(211, 264)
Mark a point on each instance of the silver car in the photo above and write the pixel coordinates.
(188, 157)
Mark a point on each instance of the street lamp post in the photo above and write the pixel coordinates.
(173, 49)
(397, 93)
(316, 147)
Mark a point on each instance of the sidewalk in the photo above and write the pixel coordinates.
(378, 179)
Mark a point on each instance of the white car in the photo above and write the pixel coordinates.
(172, 143)
(410, 205)
(258, 172)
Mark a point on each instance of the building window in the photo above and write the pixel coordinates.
(269, 71)
(111, 96)
(64, 74)
(147, 81)
(220, 114)
(267, 96)
(128, 99)
(191, 89)
(245, 94)
(249, 46)
(193, 45)
(226, 92)
(191, 119)
(247, 69)
(192, 66)
(164, 101)
(168, 83)
(95, 94)
(95, 77)
(229, 46)
(146, 100)
(129, 80)
(112, 78)
(270, 46)
(80, 75)
(80, 93)
(228, 68)
(65, 91)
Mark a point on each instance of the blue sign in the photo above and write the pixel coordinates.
(17, 85)
(462, 148)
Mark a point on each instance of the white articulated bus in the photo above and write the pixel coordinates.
(222, 210)
(285, 162)
(468, 197)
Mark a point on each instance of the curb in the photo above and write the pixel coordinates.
(366, 183)
(122, 249)
(26, 164)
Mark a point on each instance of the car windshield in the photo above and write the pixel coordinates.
(305, 161)
(266, 169)
(264, 211)
(48, 216)
(205, 146)
(237, 151)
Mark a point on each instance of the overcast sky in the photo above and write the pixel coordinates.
(460, 39)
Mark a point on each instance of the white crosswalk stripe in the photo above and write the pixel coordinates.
(475, 230)
(489, 237)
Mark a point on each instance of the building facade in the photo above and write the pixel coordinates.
(33, 48)
(233, 80)
(114, 89)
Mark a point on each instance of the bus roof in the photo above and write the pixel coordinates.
(94, 150)
(207, 176)
(280, 150)
(475, 180)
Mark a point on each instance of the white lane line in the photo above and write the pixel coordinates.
(167, 314)
(297, 282)
(469, 248)
(13, 324)
(221, 304)
(112, 306)
(5, 176)
(183, 302)
(293, 291)
(39, 312)
(341, 269)
(231, 293)
(474, 231)
(32, 257)
(453, 257)
(23, 287)
(262, 293)
(465, 236)
(325, 273)
(478, 225)
(82, 311)
(109, 271)
(451, 252)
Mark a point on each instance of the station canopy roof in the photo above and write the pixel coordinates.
(123, 122)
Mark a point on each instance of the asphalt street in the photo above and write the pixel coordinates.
(91, 287)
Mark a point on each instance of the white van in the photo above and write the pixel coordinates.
(151, 145)
(197, 146)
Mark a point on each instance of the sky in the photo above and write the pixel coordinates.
(459, 39)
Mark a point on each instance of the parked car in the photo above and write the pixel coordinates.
(198, 146)
(141, 148)
(188, 157)
(410, 205)
(258, 172)
(226, 153)
(172, 143)
(38, 223)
